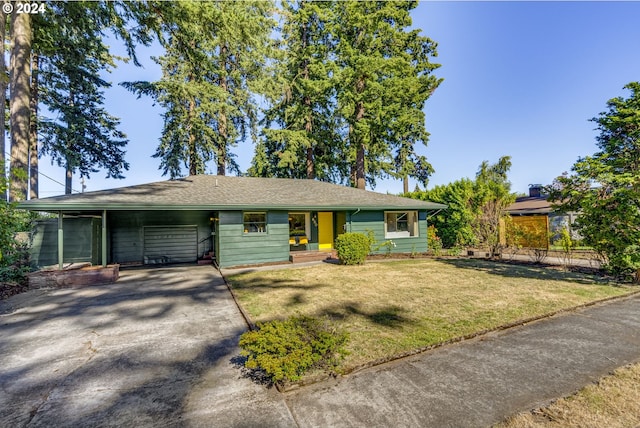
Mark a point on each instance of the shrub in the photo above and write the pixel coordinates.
(14, 253)
(567, 244)
(434, 243)
(352, 248)
(286, 350)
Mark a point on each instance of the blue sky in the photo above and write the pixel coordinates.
(520, 79)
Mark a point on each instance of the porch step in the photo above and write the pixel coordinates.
(311, 256)
(207, 259)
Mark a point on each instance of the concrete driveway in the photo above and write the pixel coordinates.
(158, 348)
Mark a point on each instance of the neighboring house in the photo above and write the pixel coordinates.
(237, 220)
(535, 214)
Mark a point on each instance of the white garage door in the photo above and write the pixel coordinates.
(170, 244)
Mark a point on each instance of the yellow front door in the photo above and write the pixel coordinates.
(325, 231)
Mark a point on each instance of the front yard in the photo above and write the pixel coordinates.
(390, 308)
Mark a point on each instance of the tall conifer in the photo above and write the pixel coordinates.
(82, 136)
(300, 127)
(385, 77)
(214, 53)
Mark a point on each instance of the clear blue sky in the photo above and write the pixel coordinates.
(520, 79)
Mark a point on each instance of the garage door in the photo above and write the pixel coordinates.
(170, 244)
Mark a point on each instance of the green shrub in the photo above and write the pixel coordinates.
(352, 248)
(286, 350)
(14, 253)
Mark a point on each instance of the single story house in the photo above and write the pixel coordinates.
(536, 214)
(235, 220)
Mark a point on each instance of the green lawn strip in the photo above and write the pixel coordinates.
(391, 308)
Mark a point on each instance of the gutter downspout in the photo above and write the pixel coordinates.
(104, 239)
(60, 242)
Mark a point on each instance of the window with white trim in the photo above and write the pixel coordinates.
(255, 222)
(400, 224)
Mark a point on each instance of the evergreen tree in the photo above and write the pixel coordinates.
(383, 81)
(300, 138)
(82, 136)
(41, 39)
(214, 53)
(605, 188)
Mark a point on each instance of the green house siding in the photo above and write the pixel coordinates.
(127, 231)
(239, 248)
(366, 221)
(81, 238)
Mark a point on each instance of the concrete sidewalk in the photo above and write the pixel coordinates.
(480, 382)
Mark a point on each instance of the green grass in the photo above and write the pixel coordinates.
(394, 307)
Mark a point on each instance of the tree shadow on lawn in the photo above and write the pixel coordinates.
(259, 284)
(529, 271)
(388, 316)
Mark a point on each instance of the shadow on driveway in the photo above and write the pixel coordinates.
(153, 349)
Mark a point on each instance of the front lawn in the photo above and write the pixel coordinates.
(389, 308)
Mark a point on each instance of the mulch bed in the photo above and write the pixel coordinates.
(10, 289)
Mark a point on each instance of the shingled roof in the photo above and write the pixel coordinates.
(211, 192)
(528, 205)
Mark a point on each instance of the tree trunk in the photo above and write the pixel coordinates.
(222, 150)
(193, 153)
(405, 184)
(221, 157)
(360, 154)
(3, 97)
(20, 103)
(33, 131)
(308, 126)
(360, 169)
(68, 180)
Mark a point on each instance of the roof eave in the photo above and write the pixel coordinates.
(35, 206)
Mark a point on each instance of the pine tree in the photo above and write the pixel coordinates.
(383, 81)
(300, 138)
(604, 188)
(214, 53)
(83, 136)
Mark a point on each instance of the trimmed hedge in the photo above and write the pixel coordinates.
(352, 248)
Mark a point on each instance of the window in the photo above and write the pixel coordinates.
(299, 224)
(400, 224)
(255, 222)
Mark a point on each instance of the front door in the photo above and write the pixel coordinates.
(325, 231)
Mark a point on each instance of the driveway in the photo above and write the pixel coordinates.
(158, 348)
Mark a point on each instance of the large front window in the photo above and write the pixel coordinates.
(255, 222)
(400, 224)
(299, 224)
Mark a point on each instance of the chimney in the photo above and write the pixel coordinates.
(535, 190)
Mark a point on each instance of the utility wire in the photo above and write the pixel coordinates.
(8, 156)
